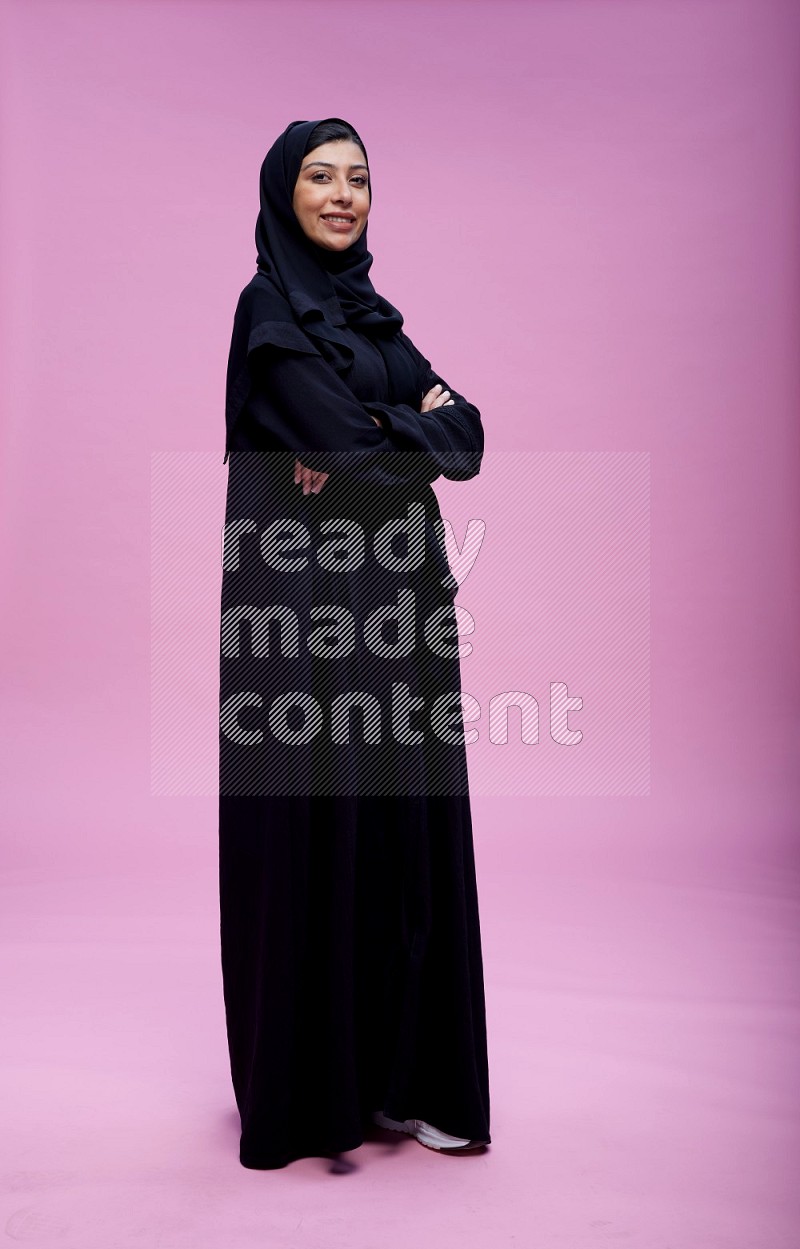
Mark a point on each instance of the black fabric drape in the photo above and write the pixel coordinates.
(353, 973)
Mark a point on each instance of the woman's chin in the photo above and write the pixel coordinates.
(339, 244)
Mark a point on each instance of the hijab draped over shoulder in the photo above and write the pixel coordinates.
(302, 294)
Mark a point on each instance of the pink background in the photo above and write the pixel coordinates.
(587, 213)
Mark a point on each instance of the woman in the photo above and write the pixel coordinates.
(350, 935)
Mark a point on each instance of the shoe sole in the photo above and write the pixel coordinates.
(472, 1147)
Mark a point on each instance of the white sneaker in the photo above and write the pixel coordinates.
(426, 1134)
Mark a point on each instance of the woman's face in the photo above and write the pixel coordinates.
(333, 182)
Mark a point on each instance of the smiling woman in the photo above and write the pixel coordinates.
(350, 934)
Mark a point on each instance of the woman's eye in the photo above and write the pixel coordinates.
(356, 178)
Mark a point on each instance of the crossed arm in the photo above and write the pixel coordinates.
(304, 406)
(312, 481)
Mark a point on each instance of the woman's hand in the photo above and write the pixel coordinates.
(312, 481)
(434, 399)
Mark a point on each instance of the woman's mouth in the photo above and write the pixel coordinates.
(339, 222)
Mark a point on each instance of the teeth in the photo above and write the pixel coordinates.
(347, 220)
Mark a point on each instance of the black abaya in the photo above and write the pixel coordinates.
(350, 934)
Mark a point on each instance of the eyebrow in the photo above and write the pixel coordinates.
(328, 165)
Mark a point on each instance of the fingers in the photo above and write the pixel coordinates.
(435, 399)
(312, 481)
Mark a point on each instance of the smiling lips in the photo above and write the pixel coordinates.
(339, 221)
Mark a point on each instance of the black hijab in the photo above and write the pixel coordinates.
(305, 293)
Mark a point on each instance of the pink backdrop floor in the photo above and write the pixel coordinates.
(643, 1030)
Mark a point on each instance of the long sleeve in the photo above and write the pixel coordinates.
(452, 433)
(303, 405)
